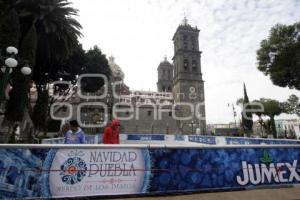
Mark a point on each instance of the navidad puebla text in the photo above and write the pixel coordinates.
(112, 163)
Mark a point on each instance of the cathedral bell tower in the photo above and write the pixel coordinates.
(165, 76)
(188, 85)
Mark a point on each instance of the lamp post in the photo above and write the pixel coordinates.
(109, 106)
(192, 125)
(234, 114)
(10, 63)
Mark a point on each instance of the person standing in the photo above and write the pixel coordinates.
(75, 135)
(112, 133)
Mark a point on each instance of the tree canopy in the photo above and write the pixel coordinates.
(96, 63)
(292, 105)
(279, 55)
(271, 108)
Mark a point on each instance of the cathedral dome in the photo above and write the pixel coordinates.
(116, 70)
(165, 62)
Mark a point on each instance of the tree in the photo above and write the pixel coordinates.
(247, 121)
(18, 101)
(96, 63)
(49, 35)
(57, 34)
(9, 30)
(279, 55)
(292, 105)
(40, 111)
(271, 108)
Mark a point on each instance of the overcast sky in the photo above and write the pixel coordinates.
(138, 33)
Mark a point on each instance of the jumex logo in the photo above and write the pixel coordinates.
(268, 172)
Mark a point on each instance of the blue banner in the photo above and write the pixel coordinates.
(146, 137)
(235, 140)
(202, 139)
(70, 171)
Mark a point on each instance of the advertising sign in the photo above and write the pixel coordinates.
(146, 137)
(86, 172)
(202, 139)
(75, 171)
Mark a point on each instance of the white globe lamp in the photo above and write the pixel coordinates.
(11, 62)
(26, 70)
(12, 50)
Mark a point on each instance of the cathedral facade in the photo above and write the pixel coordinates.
(178, 105)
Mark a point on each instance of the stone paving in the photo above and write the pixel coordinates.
(292, 193)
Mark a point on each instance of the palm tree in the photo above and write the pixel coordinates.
(48, 36)
(57, 33)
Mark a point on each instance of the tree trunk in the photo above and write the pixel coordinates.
(272, 126)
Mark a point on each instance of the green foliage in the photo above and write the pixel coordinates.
(96, 63)
(292, 105)
(18, 100)
(279, 55)
(71, 67)
(9, 29)
(271, 108)
(48, 32)
(28, 46)
(247, 121)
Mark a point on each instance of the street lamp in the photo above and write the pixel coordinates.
(26, 70)
(9, 63)
(192, 125)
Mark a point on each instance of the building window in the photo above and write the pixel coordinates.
(184, 37)
(185, 45)
(149, 112)
(169, 75)
(185, 64)
(170, 114)
(194, 65)
(193, 41)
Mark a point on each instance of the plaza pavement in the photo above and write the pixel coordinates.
(292, 193)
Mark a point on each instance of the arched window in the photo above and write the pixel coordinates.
(193, 42)
(194, 65)
(169, 74)
(185, 45)
(185, 64)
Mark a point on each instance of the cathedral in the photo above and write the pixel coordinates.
(177, 107)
